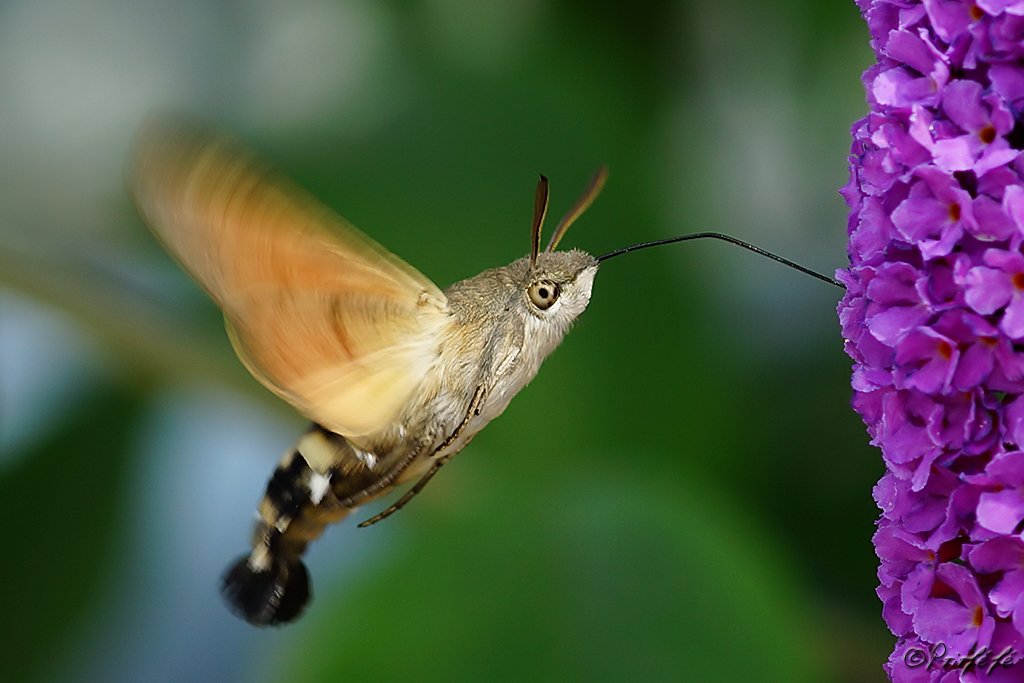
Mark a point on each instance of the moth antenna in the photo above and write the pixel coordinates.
(540, 209)
(731, 240)
(590, 193)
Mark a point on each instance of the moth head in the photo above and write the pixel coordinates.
(545, 290)
(557, 285)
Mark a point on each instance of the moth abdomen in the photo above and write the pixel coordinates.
(267, 595)
(270, 585)
(288, 488)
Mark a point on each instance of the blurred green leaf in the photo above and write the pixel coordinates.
(570, 576)
(65, 504)
(669, 500)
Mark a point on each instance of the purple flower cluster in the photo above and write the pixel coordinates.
(934, 321)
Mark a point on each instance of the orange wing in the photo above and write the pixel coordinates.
(318, 312)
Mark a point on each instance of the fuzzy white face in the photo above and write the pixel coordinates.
(562, 299)
(577, 294)
(545, 326)
(508, 320)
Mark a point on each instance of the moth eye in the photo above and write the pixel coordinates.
(543, 294)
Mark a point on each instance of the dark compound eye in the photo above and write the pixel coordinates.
(543, 294)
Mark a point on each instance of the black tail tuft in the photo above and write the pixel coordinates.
(266, 598)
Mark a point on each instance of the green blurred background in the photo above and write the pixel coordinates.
(682, 494)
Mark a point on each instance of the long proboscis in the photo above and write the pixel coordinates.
(731, 240)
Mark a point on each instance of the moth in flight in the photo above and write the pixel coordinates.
(395, 374)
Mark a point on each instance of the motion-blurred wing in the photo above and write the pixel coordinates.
(318, 312)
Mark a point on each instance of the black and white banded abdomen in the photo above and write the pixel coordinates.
(271, 585)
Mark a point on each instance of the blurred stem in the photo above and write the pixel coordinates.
(155, 344)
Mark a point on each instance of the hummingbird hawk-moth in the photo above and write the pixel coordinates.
(396, 374)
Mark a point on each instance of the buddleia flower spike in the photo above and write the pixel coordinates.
(933, 318)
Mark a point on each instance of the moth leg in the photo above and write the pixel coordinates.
(381, 483)
(400, 503)
(438, 464)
